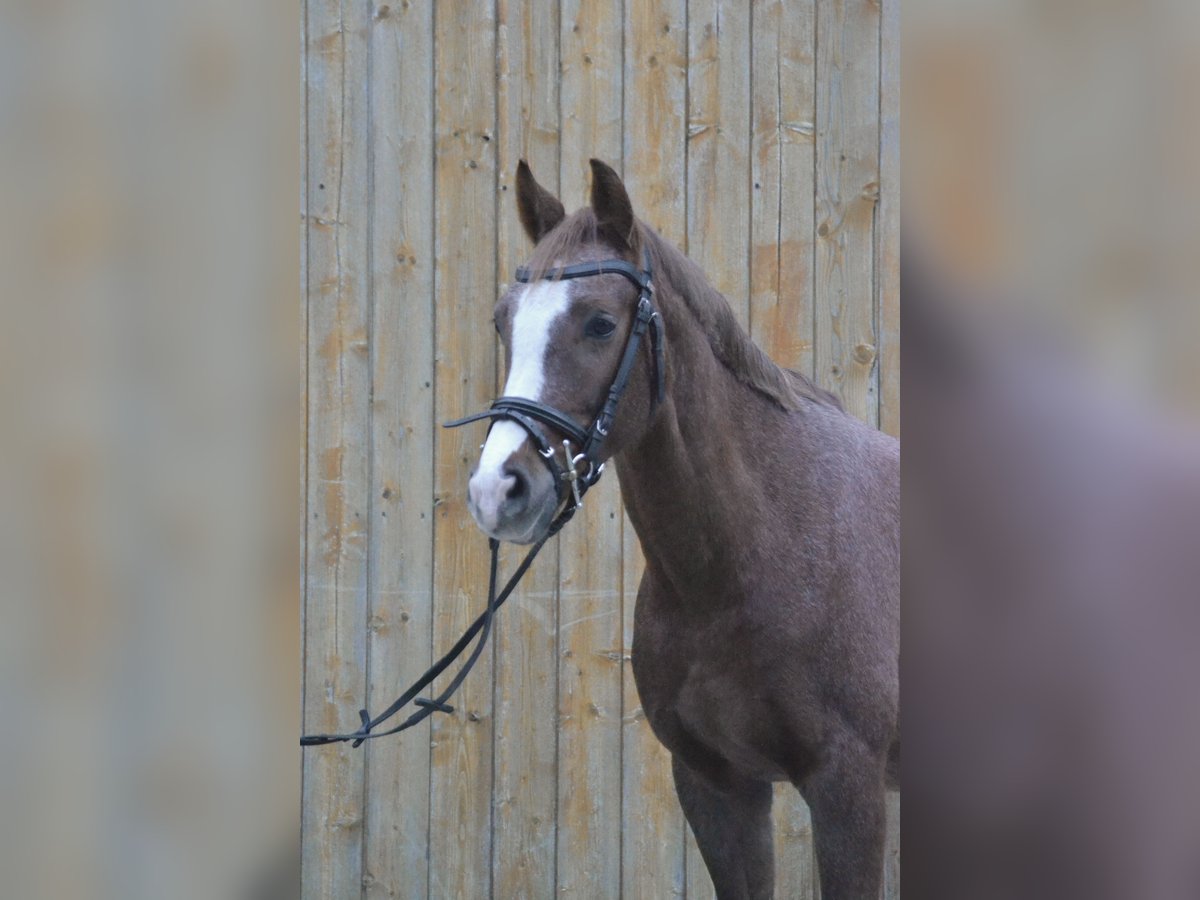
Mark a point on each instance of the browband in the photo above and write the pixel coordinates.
(590, 441)
(640, 279)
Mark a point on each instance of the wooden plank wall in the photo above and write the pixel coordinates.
(760, 136)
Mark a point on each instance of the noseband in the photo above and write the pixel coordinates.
(532, 414)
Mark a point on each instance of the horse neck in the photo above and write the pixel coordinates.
(695, 483)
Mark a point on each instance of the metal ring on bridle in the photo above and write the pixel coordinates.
(529, 413)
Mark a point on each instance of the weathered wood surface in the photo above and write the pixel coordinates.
(781, 295)
(656, 54)
(400, 525)
(847, 188)
(887, 261)
(339, 373)
(460, 850)
(763, 138)
(525, 796)
(589, 604)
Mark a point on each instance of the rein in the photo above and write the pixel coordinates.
(569, 485)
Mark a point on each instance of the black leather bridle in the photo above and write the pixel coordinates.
(532, 414)
(570, 485)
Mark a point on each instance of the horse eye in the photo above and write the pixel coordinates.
(600, 327)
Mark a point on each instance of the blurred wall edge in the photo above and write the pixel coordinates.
(1051, 469)
(152, 386)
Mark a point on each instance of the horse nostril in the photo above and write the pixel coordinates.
(520, 485)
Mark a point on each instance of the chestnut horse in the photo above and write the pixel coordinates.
(767, 627)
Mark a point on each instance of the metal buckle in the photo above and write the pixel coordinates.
(571, 475)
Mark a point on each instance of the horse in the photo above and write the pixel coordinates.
(766, 628)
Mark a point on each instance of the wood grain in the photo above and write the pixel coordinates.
(337, 432)
(460, 850)
(781, 299)
(652, 826)
(846, 192)
(763, 138)
(887, 256)
(400, 529)
(718, 150)
(718, 186)
(891, 861)
(526, 789)
(589, 705)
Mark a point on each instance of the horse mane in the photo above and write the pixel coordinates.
(730, 343)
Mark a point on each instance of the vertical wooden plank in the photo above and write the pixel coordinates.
(589, 768)
(891, 862)
(887, 277)
(847, 190)
(401, 526)
(526, 779)
(887, 260)
(655, 75)
(304, 424)
(795, 860)
(338, 414)
(782, 191)
(718, 186)
(461, 781)
(718, 151)
(781, 283)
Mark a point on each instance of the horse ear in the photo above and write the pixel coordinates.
(611, 203)
(540, 210)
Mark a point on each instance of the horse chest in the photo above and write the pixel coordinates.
(710, 700)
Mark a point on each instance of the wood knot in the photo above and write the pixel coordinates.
(864, 353)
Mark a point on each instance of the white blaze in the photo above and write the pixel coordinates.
(537, 311)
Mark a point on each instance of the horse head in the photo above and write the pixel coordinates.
(572, 327)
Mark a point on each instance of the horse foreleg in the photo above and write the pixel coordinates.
(846, 796)
(732, 824)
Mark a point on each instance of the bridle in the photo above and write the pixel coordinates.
(569, 483)
(532, 414)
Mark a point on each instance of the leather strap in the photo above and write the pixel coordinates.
(527, 414)
(483, 623)
(640, 279)
(599, 431)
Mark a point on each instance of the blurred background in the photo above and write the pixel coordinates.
(151, 403)
(1051, 472)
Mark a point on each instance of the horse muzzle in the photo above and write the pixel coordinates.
(514, 501)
